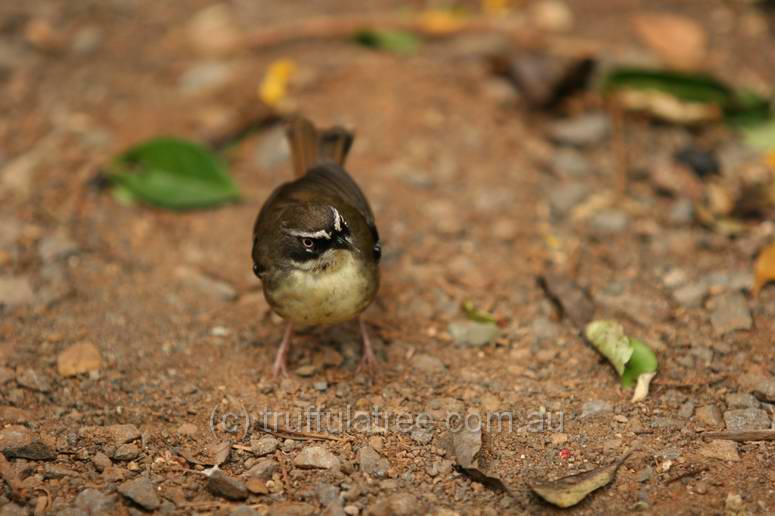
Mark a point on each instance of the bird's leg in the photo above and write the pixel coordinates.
(280, 360)
(369, 360)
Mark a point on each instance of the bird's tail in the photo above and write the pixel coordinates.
(310, 146)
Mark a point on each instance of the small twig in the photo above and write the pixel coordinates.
(298, 436)
(750, 435)
(241, 447)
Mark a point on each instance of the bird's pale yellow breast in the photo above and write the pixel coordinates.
(340, 291)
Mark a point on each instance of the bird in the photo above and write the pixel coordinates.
(316, 247)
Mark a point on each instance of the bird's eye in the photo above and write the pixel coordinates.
(307, 242)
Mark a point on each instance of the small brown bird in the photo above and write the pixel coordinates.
(316, 247)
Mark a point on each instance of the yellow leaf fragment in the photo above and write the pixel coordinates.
(764, 270)
(439, 21)
(274, 86)
(496, 7)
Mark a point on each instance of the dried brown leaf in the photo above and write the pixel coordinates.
(764, 270)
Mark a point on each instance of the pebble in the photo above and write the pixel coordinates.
(709, 415)
(213, 288)
(472, 333)
(10, 414)
(427, 364)
(101, 461)
(87, 40)
(264, 446)
(746, 419)
(79, 358)
(372, 463)
(306, 370)
(205, 77)
(566, 196)
(720, 449)
(142, 492)
(221, 484)
(123, 433)
(272, 150)
(741, 400)
(20, 442)
(94, 502)
(595, 407)
(551, 15)
(730, 313)
(126, 452)
(327, 493)
(422, 435)
(402, 504)
(583, 130)
(244, 510)
(15, 291)
(761, 385)
(571, 163)
(691, 295)
(686, 410)
(609, 221)
(318, 457)
(681, 212)
(189, 429)
(214, 30)
(351, 510)
(263, 469)
(320, 386)
(56, 246)
(257, 486)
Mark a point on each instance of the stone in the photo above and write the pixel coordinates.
(189, 429)
(244, 510)
(316, 457)
(472, 333)
(79, 358)
(566, 196)
(123, 433)
(720, 449)
(686, 410)
(20, 442)
(306, 371)
(401, 504)
(257, 486)
(263, 469)
(691, 295)
(584, 130)
(264, 446)
(746, 419)
(427, 364)
(205, 77)
(678, 40)
(15, 415)
(101, 462)
(6, 375)
(594, 408)
(570, 163)
(422, 435)
(372, 463)
(15, 291)
(326, 493)
(741, 400)
(609, 221)
(94, 502)
(126, 452)
(272, 150)
(762, 386)
(730, 313)
(142, 492)
(709, 415)
(214, 30)
(551, 15)
(32, 379)
(56, 246)
(213, 288)
(681, 212)
(221, 484)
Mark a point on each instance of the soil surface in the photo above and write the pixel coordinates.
(136, 346)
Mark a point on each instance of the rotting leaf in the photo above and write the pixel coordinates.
(396, 41)
(467, 447)
(568, 491)
(477, 315)
(173, 173)
(764, 270)
(630, 357)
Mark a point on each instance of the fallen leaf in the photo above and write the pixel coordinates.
(477, 315)
(441, 21)
(173, 173)
(568, 491)
(78, 359)
(764, 270)
(496, 7)
(630, 357)
(679, 41)
(396, 41)
(467, 447)
(274, 85)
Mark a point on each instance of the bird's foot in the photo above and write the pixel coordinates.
(369, 362)
(280, 368)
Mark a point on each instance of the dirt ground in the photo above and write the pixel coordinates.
(476, 198)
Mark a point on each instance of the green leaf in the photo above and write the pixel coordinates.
(174, 173)
(642, 361)
(630, 357)
(609, 339)
(477, 315)
(760, 136)
(739, 106)
(396, 41)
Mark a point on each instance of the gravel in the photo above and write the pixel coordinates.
(471, 333)
(730, 313)
(221, 484)
(142, 492)
(316, 457)
(746, 419)
(372, 463)
(584, 130)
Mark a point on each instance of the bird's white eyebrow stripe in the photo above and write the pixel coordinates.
(317, 234)
(337, 219)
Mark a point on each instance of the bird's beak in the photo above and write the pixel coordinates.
(344, 242)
